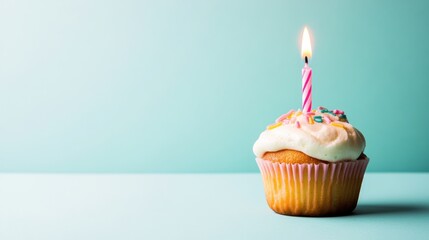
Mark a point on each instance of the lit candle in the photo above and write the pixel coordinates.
(306, 72)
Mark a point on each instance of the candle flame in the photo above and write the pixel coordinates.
(306, 44)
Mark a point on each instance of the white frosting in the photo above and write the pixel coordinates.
(318, 140)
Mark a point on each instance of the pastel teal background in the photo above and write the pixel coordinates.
(187, 86)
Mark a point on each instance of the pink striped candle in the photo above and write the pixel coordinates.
(306, 88)
(306, 53)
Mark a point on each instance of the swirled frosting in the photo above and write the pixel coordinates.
(321, 134)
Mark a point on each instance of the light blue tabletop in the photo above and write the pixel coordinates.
(198, 206)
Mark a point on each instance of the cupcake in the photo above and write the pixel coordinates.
(312, 164)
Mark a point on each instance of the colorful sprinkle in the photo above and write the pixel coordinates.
(343, 118)
(337, 125)
(298, 125)
(318, 119)
(310, 113)
(327, 120)
(327, 111)
(272, 126)
(298, 113)
(310, 120)
(336, 111)
(284, 116)
(321, 108)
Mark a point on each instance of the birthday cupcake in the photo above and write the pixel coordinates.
(312, 163)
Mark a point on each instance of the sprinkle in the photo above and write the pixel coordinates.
(327, 111)
(343, 118)
(321, 108)
(297, 124)
(310, 113)
(310, 120)
(318, 119)
(306, 119)
(337, 125)
(284, 116)
(281, 118)
(327, 120)
(272, 126)
(298, 114)
(314, 110)
(336, 111)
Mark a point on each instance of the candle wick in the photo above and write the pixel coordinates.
(306, 59)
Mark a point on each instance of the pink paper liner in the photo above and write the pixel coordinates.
(312, 189)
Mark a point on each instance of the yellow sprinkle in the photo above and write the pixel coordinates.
(290, 115)
(314, 110)
(310, 120)
(337, 125)
(298, 113)
(272, 126)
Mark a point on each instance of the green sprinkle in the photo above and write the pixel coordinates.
(324, 110)
(343, 116)
(318, 119)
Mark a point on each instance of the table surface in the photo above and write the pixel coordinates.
(198, 206)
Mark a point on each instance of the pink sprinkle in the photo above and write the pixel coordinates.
(310, 113)
(327, 120)
(297, 124)
(281, 118)
(284, 116)
(306, 119)
(336, 111)
(321, 108)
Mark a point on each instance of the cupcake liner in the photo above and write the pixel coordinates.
(312, 189)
